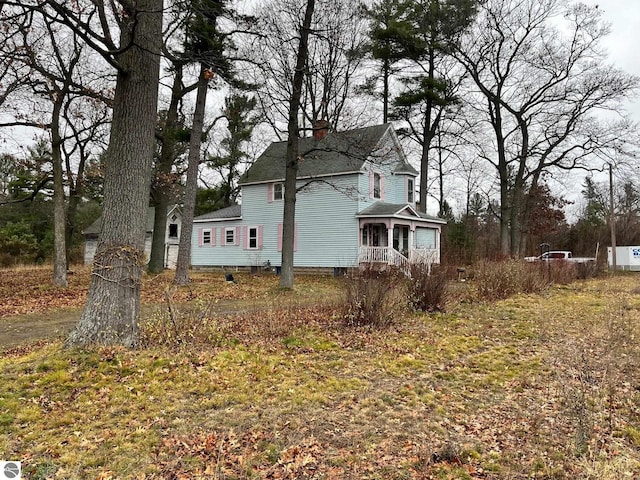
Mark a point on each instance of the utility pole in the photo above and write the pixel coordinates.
(612, 221)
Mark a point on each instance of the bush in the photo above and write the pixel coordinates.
(178, 328)
(500, 280)
(368, 297)
(428, 288)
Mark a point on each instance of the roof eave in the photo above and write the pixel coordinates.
(308, 177)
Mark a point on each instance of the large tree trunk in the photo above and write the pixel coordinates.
(429, 132)
(59, 207)
(191, 188)
(291, 173)
(112, 311)
(167, 159)
(158, 243)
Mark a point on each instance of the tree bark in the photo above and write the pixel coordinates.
(291, 173)
(59, 205)
(112, 310)
(191, 188)
(167, 159)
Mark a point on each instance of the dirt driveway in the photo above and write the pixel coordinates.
(32, 328)
(25, 329)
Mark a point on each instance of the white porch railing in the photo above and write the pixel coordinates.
(374, 254)
(423, 255)
(389, 255)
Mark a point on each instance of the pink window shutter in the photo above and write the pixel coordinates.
(381, 187)
(279, 237)
(213, 237)
(245, 238)
(260, 236)
(200, 237)
(237, 236)
(270, 192)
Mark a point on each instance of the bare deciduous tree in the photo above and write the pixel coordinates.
(542, 87)
(128, 36)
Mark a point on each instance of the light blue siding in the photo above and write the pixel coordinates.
(426, 237)
(326, 224)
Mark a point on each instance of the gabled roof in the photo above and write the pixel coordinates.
(337, 153)
(382, 209)
(232, 212)
(94, 228)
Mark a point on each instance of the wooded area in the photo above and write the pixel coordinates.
(509, 109)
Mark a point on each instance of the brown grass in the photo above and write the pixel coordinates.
(534, 386)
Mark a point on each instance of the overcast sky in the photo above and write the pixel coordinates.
(623, 44)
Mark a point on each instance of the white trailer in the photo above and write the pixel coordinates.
(627, 258)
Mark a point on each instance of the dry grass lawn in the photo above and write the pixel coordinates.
(538, 386)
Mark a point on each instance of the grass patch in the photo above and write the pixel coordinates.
(538, 385)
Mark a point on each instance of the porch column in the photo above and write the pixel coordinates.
(390, 236)
(412, 245)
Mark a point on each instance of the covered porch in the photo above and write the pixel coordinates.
(398, 235)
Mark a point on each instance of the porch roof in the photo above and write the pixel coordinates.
(397, 210)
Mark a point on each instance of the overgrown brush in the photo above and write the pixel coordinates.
(369, 298)
(200, 325)
(561, 272)
(500, 280)
(427, 288)
(592, 369)
(178, 327)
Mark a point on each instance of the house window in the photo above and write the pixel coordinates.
(230, 236)
(206, 237)
(376, 185)
(278, 191)
(410, 190)
(173, 230)
(253, 237)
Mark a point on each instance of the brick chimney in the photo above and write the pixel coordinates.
(320, 129)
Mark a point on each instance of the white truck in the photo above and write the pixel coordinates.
(559, 255)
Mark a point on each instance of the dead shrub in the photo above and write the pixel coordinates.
(176, 327)
(593, 368)
(586, 270)
(368, 297)
(428, 287)
(500, 280)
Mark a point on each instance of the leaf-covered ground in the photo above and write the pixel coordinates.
(28, 290)
(539, 386)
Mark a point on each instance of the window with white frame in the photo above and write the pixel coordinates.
(376, 185)
(206, 237)
(278, 191)
(253, 237)
(410, 190)
(229, 236)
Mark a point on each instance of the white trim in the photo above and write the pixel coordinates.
(257, 229)
(281, 180)
(204, 220)
(226, 243)
(275, 184)
(204, 232)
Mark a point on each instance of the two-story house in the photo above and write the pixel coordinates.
(355, 204)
